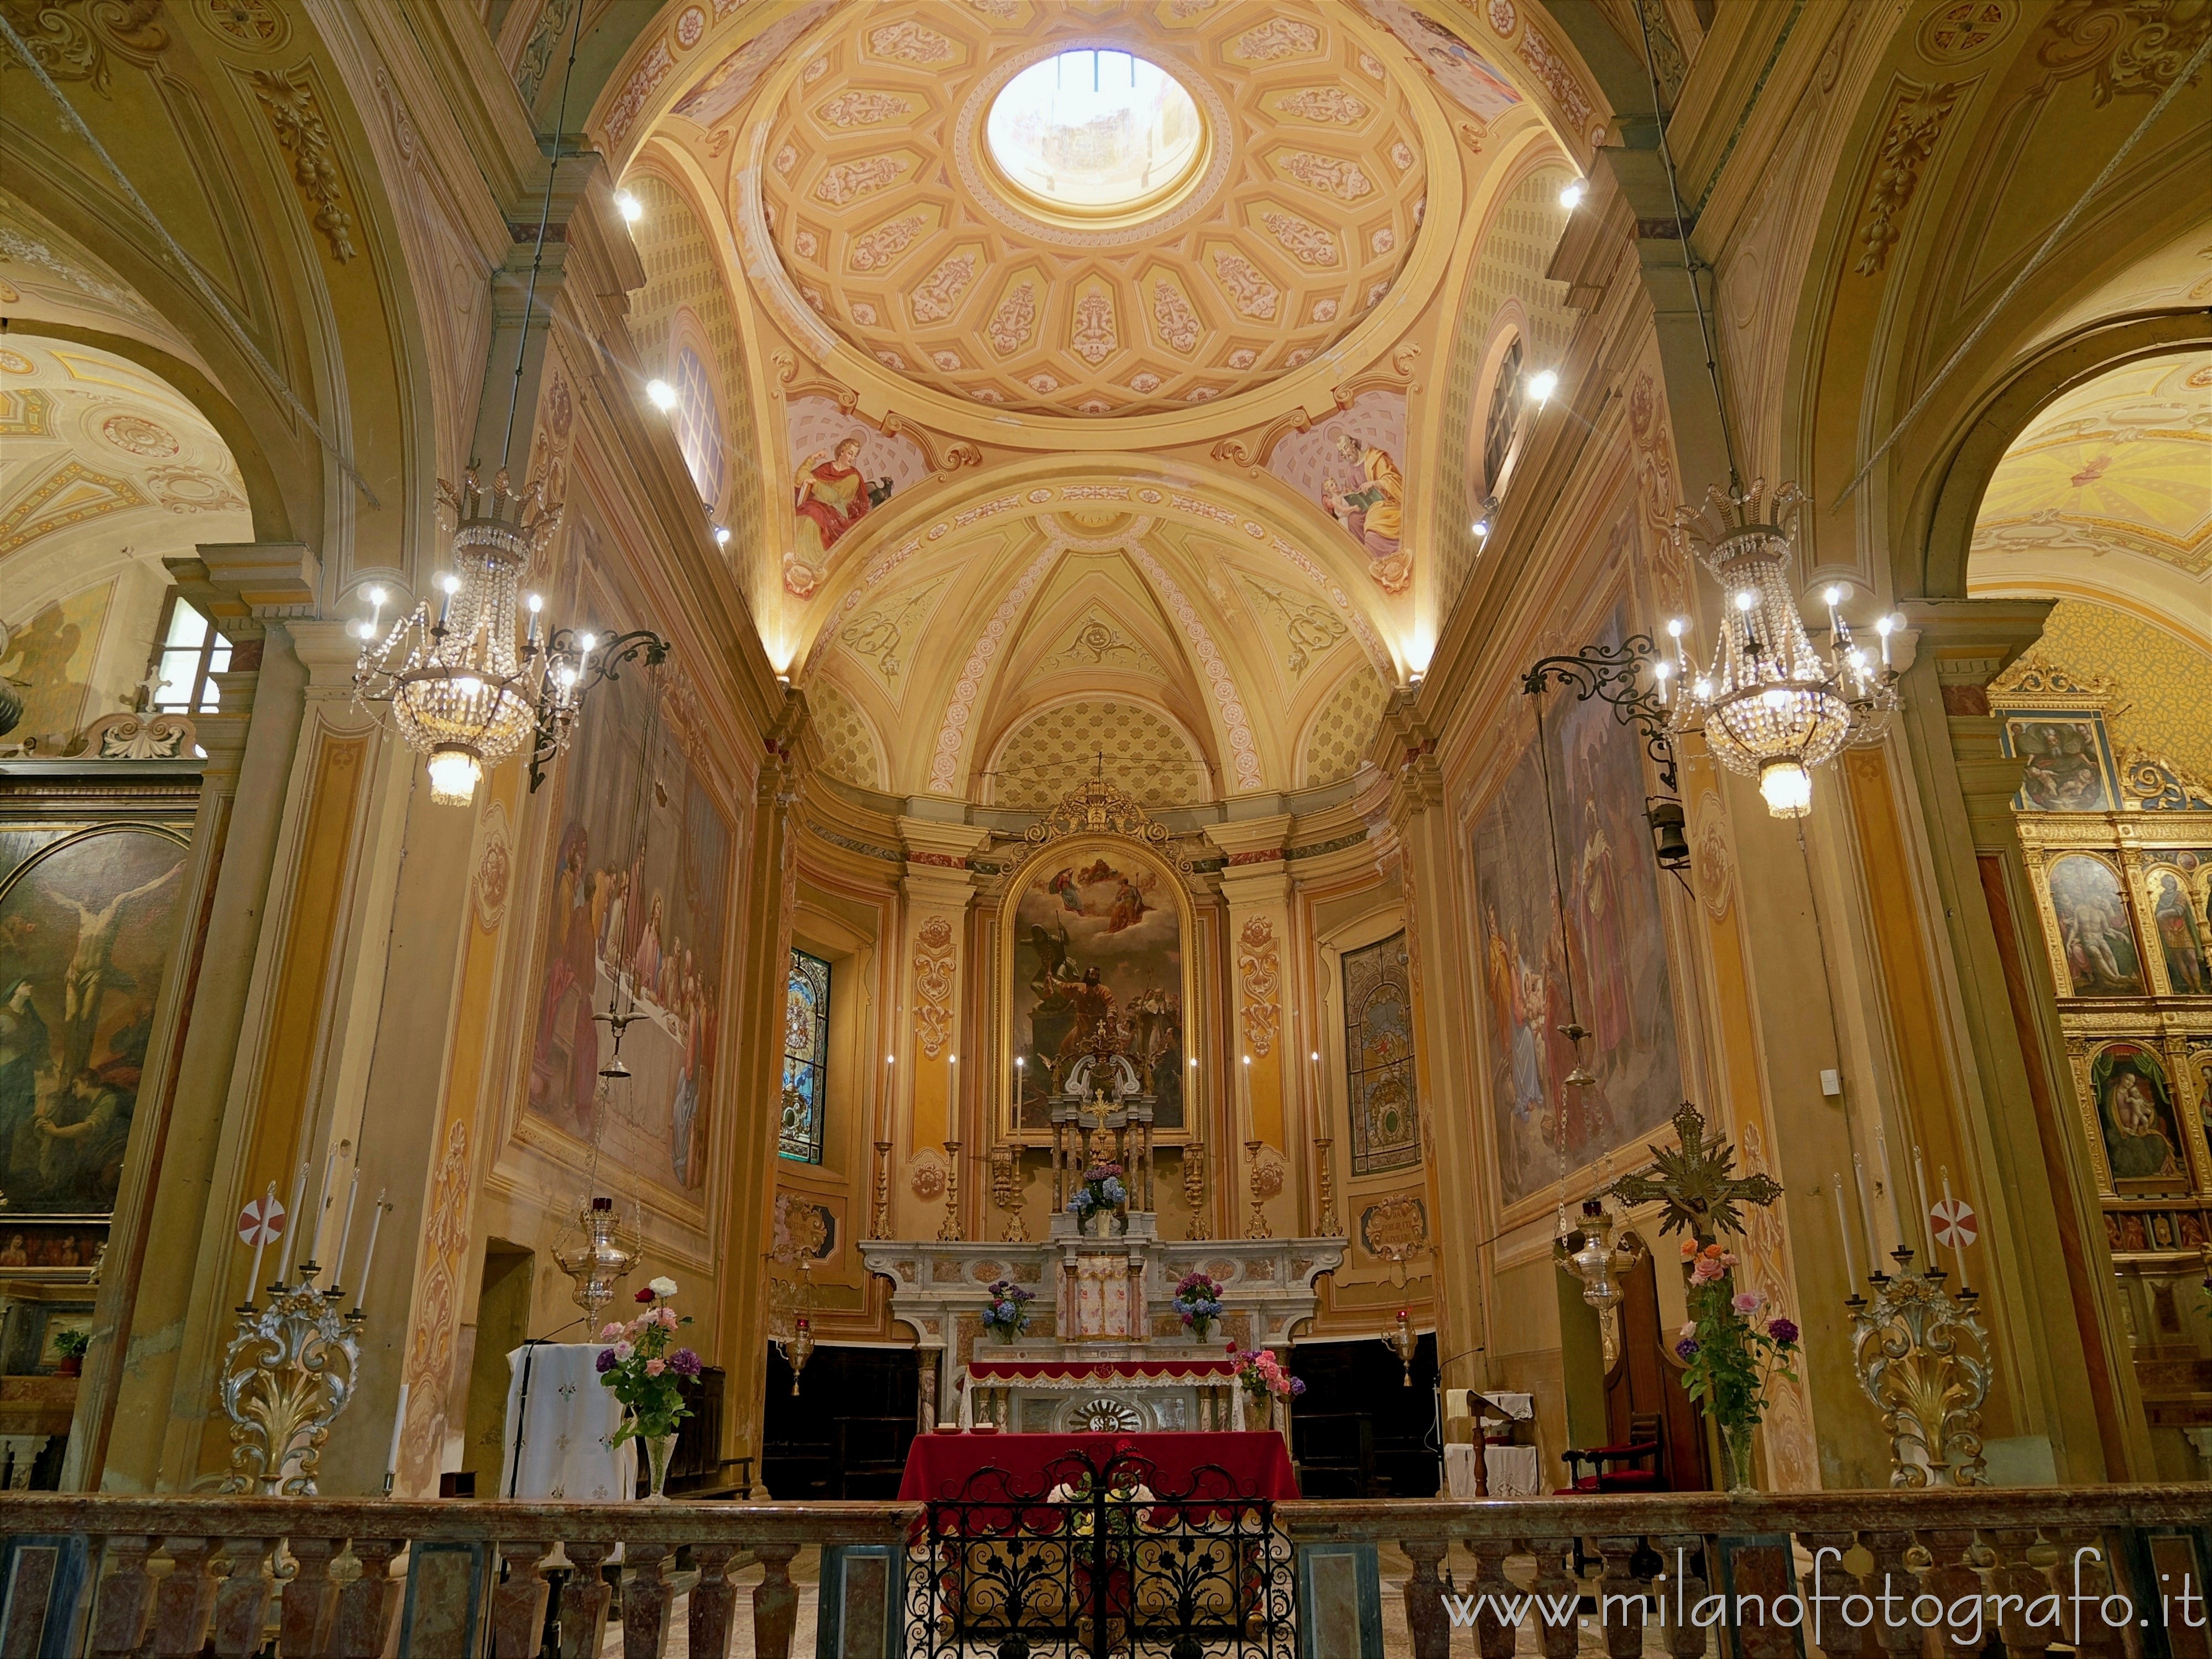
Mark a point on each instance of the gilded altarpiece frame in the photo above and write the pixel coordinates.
(2118, 854)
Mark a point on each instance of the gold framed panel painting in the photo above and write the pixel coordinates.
(89, 914)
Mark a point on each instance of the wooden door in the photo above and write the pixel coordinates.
(1646, 1381)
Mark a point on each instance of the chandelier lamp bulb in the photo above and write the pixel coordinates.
(1787, 787)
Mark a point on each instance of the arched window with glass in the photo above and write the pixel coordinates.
(805, 1057)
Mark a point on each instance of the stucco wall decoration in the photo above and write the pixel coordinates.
(938, 270)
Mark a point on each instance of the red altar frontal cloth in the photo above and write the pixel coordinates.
(1255, 1465)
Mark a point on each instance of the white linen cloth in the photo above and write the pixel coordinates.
(566, 1446)
(1514, 1471)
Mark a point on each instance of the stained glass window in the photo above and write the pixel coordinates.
(1379, 1057)
(805, 1057)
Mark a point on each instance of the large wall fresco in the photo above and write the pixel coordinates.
(1613, 950)
(637, 902)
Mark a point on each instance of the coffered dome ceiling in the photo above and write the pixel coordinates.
(895, 226)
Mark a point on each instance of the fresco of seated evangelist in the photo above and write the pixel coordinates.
(1097, 933)
(87, 923)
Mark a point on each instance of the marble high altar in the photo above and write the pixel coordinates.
(1105, 1348)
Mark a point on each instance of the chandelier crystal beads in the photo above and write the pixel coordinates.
(468, 686)
(1771, 705)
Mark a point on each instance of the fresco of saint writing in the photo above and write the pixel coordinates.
(87, 924)
(1351, 467)
(1096, 932)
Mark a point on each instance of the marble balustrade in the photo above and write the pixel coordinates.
(343, 1578)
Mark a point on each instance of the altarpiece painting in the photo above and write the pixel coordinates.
(1097, 931)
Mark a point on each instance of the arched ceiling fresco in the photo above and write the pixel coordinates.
(2107, 494)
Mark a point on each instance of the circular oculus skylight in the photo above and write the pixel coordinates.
(1096, 134)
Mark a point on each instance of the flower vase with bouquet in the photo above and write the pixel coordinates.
(1099, 1201)
(645, 1369)
(1007, 1313)
(1733, 1349)
(1198, 1300)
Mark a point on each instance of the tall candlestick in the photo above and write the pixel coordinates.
(345, 1233)
(1843, 1227)
(1888, 1180)
(260, 1243)
(1920, 1186)
(291, 1224)
(368, 1256)
(1866, 1213)
(399, 1425)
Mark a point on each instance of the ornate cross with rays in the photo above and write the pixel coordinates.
(1693, 1183)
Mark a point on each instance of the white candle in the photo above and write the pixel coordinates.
(1843, 1227)
(260, 1243)
(399, 1425)
(1866, 1215)
(345, 1233)
(291, 1224)
(1888, 1180)
(1920, 1186)
(375, 1225)
(322, 1208)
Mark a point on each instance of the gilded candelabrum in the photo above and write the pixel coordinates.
(286, 1375)
(879, 1212)
(1922, 1357)
(1330, 1226)
(1257, 1226)
(1194, 1189)
(1007, 1192)
(948, 1230)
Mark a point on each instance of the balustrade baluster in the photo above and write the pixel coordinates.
(1557, 1641)
(713, 1601)
(126, 1598)
(242, 1598)
(1493, 1636)
(1681, 1587)
(1427, 1617)
(185, 1601)
(645, 1594)
(584, 1601)
(1831, 1582)
(775, 1602)
(1624, 1633)
(1890, 1585)
(1953, 1579)
(2017, 1577)
(2082, 1577)
(518, 1605)
(368, 1606)
(309, 1599)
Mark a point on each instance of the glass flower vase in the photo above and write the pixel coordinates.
(1736, 1447)
(658, 1449)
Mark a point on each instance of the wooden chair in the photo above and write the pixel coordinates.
(1646, 1446)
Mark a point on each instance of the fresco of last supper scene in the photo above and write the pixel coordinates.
(1079, 829)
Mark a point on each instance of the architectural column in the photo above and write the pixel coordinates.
(1256, 885)
(1456, 1177)
(928, 1092)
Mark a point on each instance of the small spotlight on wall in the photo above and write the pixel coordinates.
(1480, 526)
(632, 209)
(662, 394)
(721, 535)
(1542, 385)
(1571, 196)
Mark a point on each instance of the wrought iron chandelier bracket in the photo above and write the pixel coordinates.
(573, 670)
(1614, 675)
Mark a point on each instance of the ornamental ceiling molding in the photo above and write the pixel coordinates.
(902, 541)
(877, 388)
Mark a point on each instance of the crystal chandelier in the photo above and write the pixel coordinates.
(1770, 706)
(463, 692)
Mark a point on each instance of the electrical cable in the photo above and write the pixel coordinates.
(544, 215)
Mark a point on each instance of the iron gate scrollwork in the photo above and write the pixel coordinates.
(1083, 1560)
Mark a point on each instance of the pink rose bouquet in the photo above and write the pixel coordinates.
(645, 1368)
